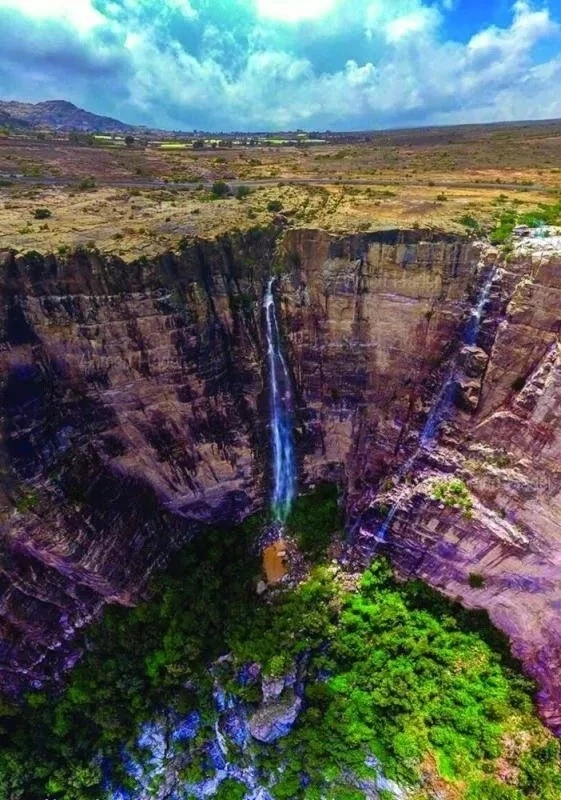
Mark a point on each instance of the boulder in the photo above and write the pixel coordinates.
(275, 719)
(467, 392)
(473, 360)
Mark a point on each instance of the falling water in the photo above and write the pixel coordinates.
(280, 395)
(474, 324)
(444, 398)
(446, 394)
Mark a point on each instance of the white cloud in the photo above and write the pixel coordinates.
(418, 23)
(79, 13)
(408, 71)
(294, 10)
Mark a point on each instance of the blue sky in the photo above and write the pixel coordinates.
(286, 64)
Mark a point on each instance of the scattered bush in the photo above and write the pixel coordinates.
(476, 580)
(27, 502)
(42, 213)
(242, 192)
(315, 519)
(220, 189)
(454, 494)
(87, 183)
(469, 222)
(274, 206)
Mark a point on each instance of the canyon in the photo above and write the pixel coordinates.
(135, 411)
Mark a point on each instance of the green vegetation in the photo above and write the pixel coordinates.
(504, 227)
(27, 501)
(220, 189)
(469, 221)
(315, 519)
(87, 184)
(454, 494)
(42, 213)
(242, 192)
(274, 206)
(393, 671)
(544, 214)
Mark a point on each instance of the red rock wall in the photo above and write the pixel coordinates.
(134, 412)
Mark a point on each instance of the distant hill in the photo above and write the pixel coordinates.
(57, 115)
(7, 121)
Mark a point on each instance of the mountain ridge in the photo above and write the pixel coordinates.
(59, 115)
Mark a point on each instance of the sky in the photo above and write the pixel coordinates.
(286, 64)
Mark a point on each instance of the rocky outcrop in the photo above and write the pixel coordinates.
(278, 710)
(134, 413)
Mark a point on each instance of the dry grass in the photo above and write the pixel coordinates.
(428, 178)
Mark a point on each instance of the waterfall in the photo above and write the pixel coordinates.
(444, 398)
(280, 407)
(472, 328)
(446, 394)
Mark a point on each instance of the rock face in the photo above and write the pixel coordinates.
(134, 413)
(131, 407)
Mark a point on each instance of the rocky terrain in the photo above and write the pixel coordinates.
(134, 412)
(57, 115)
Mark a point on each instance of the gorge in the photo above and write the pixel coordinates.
(137, 407)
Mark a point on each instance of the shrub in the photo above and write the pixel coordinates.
(42, 213)
(476, 580)
(87, 183)
(220, 189)
(454, 494)
(242, 192)
(27, 502)
(274, 206)
(469, 222)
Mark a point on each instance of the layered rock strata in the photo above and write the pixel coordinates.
(134, 413)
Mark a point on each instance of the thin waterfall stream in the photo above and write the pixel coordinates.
(444, 398)
(281, 415)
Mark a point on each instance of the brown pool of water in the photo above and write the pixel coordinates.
(274, 561)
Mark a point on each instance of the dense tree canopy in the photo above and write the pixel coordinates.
(395, 675)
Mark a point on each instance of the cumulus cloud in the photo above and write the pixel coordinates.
(202, 64)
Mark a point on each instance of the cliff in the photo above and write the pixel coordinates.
(134, 413)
